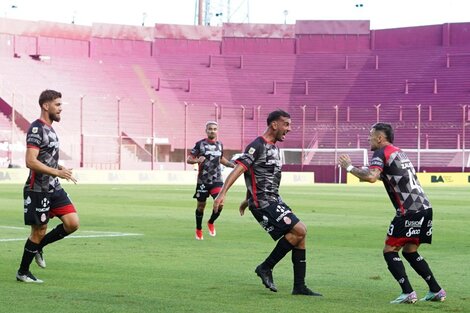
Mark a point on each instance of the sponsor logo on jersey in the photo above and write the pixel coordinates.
(251, 150)
(414, 223)
(412, 231)
(34, 130)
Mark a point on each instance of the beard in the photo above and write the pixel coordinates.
(54, 117)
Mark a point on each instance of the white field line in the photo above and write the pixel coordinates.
(90, 234)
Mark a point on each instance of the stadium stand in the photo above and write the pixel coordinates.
(336, 78)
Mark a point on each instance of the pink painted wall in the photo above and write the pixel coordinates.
(6, 45)
(185, 46)
(62, 47)
(332, 43)
(117, 47)
(409, 37)
(25, 45)
(258, 45)
(460, 34)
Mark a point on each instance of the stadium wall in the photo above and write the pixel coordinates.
(18, 176)
(68, 40)
(429, 179)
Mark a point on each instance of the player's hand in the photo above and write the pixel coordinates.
(201, 159)
(344, 160)
(66, 173)
(242, 207)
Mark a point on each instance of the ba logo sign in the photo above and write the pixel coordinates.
(441, 179)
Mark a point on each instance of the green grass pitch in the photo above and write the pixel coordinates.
(160, 267)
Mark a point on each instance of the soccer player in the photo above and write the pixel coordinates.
(261, 166)
(44, 197)
(208, 155)
(412, 224)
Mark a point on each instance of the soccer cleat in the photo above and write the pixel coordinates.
(435, 296)
(27, 278)
(199, 234)
(211, 229)
(305, 291)
(266, 276)
(408, 298)
(39, 258)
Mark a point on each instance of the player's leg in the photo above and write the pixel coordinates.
(396, 238)
(70, 223)
(62, 207)
(37, 219)
(199, 214)
(297, 237)
(201, 196)
(214, 191)
(31, 248)
(269, 218)
(397, 269)
(417, 262)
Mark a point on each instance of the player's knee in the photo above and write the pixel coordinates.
(201, 206)
(71, 226)
(301, 229)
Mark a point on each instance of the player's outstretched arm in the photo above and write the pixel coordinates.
(370, 175)
(227, 163)
(231, 178)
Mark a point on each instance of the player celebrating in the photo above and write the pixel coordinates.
(208, 154)
(44, 197)
(412, 224)
(261, 165)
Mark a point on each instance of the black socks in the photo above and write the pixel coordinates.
(280, 250)
(396, 267)
(30, 250)
(300, 267)
(199, 216)
(57, 233)
(421, 267)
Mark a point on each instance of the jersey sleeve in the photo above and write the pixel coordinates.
(34, 137)
(378, 160)
(196, 151)
(251, 154)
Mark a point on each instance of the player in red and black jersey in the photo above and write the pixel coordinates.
(261, 165)
(44, 197)
(412, 224)
(208, 154)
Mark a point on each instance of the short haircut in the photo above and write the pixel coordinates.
(386, 129)
(48, 95)
(211, 123)
(275, 115)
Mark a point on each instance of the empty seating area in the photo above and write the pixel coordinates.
(123, 102)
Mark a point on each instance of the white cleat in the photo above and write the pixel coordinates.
(39, 258)
(28, 278)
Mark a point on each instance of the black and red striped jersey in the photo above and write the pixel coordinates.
(400, 180)
(209, 170)
(42, 136)
(262, 163)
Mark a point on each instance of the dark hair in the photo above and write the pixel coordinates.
(48, 95)
(386, 129)
(275, 115)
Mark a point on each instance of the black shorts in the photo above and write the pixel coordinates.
(39, 207)
(415, 228)
(203, 191)
(277, 219)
